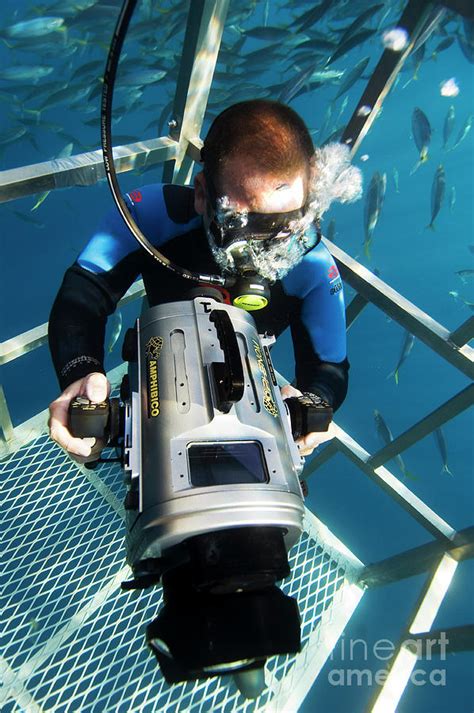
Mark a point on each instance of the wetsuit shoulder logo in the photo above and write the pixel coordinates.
(135, 196)
(333, 272)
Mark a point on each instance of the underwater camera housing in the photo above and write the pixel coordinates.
(214, 501)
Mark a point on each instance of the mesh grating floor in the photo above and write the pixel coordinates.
(72, 640)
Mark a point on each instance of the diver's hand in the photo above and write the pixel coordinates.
(310, 441)
(96, 388)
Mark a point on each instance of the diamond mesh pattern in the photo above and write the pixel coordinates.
(72, 639)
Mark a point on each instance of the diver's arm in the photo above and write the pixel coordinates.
(79, 316)
(319, 329)
(324, 378)
(105, 269)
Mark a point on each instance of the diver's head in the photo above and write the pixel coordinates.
(253, 191)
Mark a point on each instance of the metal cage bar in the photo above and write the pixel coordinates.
(424, 612)
(202, 41)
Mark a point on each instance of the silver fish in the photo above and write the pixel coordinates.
(464, 131)
(465, 274)
(466, 48)
(438, 190)
(396, 179)
(67, 95)
(452, 198)
(443, 45)
(386, 437)
(25, 73)
(140, 77)
(34, 28)
(29, 219)
(352, 76)
(359, 21)
(421, 128)
(350, 43)
(441, 443)
(331, 231)
(293, 86)
(327, 75)
(310, 17)
(342, 109)
(372, 208)
(448, 125)
(116, 330)
(407, 346)
(12, 134)
(269, 34)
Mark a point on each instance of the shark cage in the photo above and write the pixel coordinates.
(72, 639)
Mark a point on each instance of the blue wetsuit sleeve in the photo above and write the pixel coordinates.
(113, 241)
(103, 272)
(318, 327)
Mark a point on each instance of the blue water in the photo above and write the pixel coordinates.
(419, 263)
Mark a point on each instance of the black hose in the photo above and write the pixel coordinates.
(110, 73)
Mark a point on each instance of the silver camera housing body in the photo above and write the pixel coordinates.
(185, 453)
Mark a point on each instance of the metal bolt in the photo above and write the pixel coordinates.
(172, 124)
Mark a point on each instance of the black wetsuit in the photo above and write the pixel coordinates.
(309, 299)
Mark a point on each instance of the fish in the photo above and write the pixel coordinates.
(327, 75)
(431, 23)
(34, 625)
(466, 48)
(443, 45)
(68, 95)
(342, 109)
(334, 135)
(468, 25)
(464, 132)
(350, 43)
(438, 190)
(293, 86)
(373, 206)
(28, 219)
(386, 437)
(140, 77)
(416, 60)
(452, 198)
(115, 330)
(311, 16)
(11, 135)
(456, 296)
(359, 21)
(34, 28)
(464, 274)
(395, 179)
(421, 128)
(351, 78)
(331, 231)
(40, 200)
(443, 451)
(407, 346)
(326, 120)
(266, 12)
(269, 34)
(65, 152)
(25, 73)
(448, 125)
(471, 248)
(93, 69)
(312, 47)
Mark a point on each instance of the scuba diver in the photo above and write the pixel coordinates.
(253, 217)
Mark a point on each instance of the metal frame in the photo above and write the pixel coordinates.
(439, 557)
